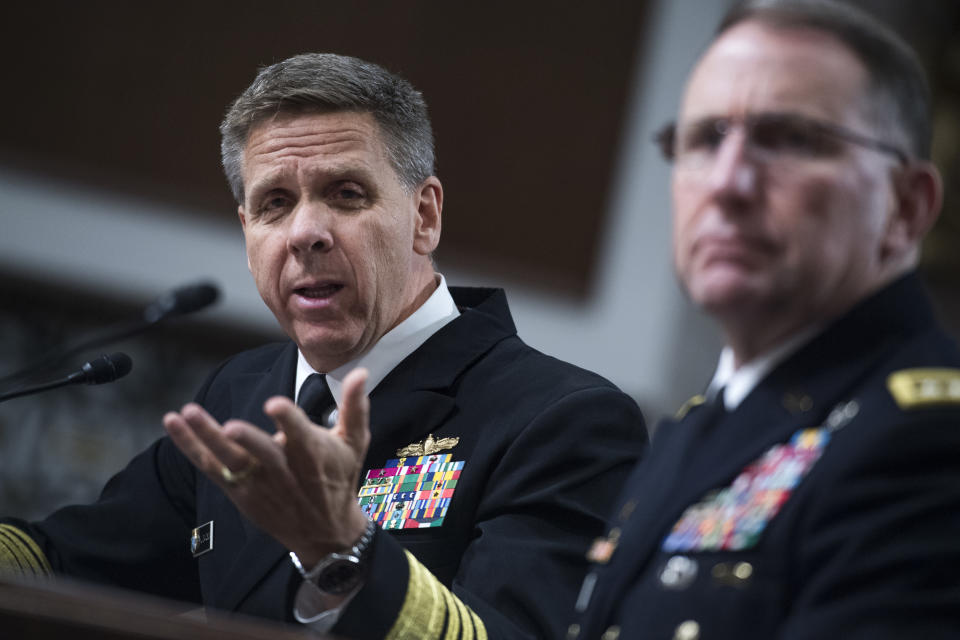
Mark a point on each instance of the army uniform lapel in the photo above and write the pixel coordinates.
(689, 458)
(802, 391)
(645, 509)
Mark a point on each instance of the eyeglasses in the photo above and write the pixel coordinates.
(770, 137)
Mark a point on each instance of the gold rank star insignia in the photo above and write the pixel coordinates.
(427, 446)
(924, 387)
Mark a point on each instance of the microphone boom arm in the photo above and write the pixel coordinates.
(97, 371)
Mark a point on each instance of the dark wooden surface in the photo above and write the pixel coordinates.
(63, 609)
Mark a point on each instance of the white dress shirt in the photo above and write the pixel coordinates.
(737, 383)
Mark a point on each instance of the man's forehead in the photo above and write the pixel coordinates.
(757, 67)
(311, 133)
(341, 142)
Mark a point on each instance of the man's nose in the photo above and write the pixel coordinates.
(310, 228)
(734, 174)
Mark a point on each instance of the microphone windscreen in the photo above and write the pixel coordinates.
(107, 368)
(182, 300)
(196, 297)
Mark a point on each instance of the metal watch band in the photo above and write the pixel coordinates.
(339, 572)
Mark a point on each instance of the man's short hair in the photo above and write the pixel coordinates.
(897, 79)
(330, 83)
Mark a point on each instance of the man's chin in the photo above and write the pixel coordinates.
(325, 349)
(726, 296)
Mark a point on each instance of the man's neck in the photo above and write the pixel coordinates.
(428, 281)
(753, 330)
(436, 311)
(737, 380)
(747, 346)
(750, 332)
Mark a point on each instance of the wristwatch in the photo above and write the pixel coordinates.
(340, 573)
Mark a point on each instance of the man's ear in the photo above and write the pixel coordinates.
(243, 225)
(918, 189)
(426, 231)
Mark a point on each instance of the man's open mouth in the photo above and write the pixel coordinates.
(319, 291)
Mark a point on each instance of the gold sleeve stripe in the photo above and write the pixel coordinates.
(478, 625)
(431, 612)
(20, 555)
(419, 615)
(453, 626)
(465, 620)
(458, 612)
(436, 620)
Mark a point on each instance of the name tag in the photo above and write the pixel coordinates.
(201, 539)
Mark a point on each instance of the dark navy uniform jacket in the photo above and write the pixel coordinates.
(827, 505)
(545, 447)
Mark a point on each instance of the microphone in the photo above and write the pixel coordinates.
(180, 301)
(103, 369)
(97, 371)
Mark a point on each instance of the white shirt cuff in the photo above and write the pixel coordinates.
(312, 607)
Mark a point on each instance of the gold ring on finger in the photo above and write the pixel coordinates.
(236, 477)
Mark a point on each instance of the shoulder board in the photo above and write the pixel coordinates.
(919, 388)
(695, 401)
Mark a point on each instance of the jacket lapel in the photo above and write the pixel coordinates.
(258, 552)
(645, 506)
(418, 397)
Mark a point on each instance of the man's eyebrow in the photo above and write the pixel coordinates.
(343, 170)
(698, 121)
(273, 179)
(265, 183)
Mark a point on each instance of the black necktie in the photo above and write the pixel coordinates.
(714, 410)
(719, 401)
(316, 399)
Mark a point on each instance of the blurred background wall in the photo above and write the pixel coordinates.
(111, 191)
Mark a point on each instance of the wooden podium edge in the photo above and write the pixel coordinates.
(48, 609)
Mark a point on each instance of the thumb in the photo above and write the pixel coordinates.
(353, 421)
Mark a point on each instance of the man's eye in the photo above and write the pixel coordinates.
(787, 136)
(348, 194)
(704, 136)
(272, 207)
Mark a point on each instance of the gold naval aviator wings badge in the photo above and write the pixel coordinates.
(413, 490)
(428, 446)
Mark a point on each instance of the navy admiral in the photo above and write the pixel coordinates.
(487, 468)
(814, 492)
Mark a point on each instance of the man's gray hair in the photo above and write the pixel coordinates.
(897, 79)
(330, 83)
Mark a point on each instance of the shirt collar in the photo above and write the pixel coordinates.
(394, 346)
(737, 384)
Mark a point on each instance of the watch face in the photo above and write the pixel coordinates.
(341, 575)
